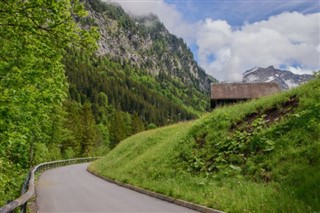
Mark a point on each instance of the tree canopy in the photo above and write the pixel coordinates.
(33, 38)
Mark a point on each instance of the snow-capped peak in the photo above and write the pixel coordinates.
(285, 79)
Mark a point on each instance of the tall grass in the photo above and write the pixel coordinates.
(285, 178)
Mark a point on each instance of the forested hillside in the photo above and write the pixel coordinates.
(75, 83)
(146, 76)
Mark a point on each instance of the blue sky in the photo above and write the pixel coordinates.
(238, 12)
(229, 37)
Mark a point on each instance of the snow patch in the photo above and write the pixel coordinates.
(299, 70)
(290, 83)
(252, 78)
(251, 71)
(270, 78)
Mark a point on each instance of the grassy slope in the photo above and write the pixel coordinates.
(273, 167)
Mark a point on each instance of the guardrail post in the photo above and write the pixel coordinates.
(24, 208)
(9, 201)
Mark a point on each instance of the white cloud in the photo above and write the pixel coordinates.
(167, 13)
(288, 39)
(213, 35)
(296, 26)
(299, 70)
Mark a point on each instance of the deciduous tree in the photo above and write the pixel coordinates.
(33, 38)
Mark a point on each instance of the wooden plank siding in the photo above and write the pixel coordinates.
(229, 93)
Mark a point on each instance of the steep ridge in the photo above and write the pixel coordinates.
(284, 78)
(144, 42)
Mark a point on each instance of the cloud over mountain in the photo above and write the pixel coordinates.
(290, 40)
(167, 13)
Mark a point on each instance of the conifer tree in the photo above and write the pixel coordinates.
(89, 135)
(137, 124)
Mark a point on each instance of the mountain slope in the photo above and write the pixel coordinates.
(156, 58)
(140, 77)
(285, 79)
(258, 156)
(145, 42)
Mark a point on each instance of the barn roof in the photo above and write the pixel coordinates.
(242, 90)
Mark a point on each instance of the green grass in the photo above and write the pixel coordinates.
(250, 167)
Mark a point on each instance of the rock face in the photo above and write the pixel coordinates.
(285, 79)
(145, 43)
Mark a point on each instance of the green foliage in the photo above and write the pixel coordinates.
(45, 116)
(69, 153)
(104, 135)
(137, 124)
(126, 89)
(123, 98)
(85, 136)
(152, 126)
(89, 136)
(259, 156)
(41, 153)
(118, 128)
(169, 63)
(33, 39)
(8, 183)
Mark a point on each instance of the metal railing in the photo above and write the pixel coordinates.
(28, 188)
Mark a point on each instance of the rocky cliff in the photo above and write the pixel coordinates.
(144, 42)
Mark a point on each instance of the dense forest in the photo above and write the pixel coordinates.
(61, 98)
(33, 38)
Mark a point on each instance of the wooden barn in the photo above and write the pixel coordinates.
(229, 93)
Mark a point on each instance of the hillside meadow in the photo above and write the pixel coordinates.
(258, 156)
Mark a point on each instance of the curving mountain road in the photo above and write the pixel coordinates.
(73, 189)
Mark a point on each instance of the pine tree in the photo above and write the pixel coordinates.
(137, 124)
(89, 135)
(117, 129)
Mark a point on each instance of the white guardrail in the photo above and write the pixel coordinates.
(28, 188)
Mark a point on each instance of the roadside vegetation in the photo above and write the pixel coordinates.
(258, 156)
(61, 99)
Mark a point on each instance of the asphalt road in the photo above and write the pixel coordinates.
(73, 189)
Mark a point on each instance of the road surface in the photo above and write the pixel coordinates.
(73, 189)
